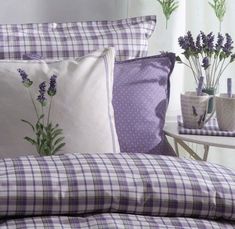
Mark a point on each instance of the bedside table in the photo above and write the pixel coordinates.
(171, 130)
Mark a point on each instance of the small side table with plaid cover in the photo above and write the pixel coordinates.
(171, 130)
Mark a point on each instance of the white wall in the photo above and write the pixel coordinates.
(23, 11)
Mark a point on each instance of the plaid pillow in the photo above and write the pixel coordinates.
(65, 40)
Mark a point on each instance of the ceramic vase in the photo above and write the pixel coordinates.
(225, 112)
(194, 110)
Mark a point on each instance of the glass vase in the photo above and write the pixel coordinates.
(210, 91)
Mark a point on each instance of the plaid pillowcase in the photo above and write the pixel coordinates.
(66, 40)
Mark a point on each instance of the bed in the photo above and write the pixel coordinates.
(115, 191)
(117, 169)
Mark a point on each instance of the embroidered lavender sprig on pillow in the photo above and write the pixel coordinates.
(48, 137)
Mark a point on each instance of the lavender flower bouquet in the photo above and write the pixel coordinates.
(48, 137)
(205, 57)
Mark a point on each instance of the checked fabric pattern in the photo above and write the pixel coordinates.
(78, 184)
(113, 221)
(211, 128)
(75, 39)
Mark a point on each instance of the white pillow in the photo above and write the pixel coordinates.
(82, 105)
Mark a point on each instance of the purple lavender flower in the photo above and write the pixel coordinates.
(210, 42)
(205, 63)
(205, 51)
(219, 44)
(42, 90)
(23, 74)
(25, 80)
(52, 88)
(207, 42)
(183, 43)
(191, 41)
(204, 39)
(228, 45)
(198, 43)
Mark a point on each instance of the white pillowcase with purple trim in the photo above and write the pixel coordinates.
(82, 105)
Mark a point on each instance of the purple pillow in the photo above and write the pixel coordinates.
(140, 99)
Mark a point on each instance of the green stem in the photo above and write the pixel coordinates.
(204, 75)
(38, 141)
(49, 112)
(195, 62)
(221, 72)
(195, 65)
(187, 66)
(213, 69)
(208, 71)
(37, 145)
(34, 105)
(216, 77)
(43, 114)
(191, 67)
(199, 66)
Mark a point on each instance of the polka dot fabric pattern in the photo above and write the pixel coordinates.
(140, 100)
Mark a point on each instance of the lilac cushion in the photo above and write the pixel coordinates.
(140, 100)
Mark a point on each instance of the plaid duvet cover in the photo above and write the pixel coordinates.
(115, 191)
(114, 221)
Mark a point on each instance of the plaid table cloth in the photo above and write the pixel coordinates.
(85, 185)
(211, 128)
(74, 39)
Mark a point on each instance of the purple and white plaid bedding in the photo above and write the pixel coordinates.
(113, 221)
(84, 185)
(71, 40)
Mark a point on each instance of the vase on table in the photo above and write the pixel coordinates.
(225, 112)
(207, 56)
(194, 110)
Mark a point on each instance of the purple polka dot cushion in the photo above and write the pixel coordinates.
(140, 100)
